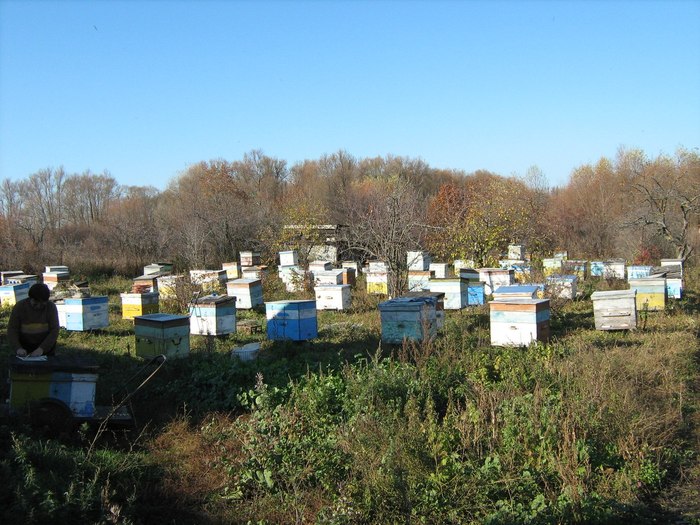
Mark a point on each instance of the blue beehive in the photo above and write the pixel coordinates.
(294, 320)
(86, 313)
(475, 293)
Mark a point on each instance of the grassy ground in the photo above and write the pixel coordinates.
(593, 427)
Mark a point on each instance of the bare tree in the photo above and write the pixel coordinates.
(669, 191)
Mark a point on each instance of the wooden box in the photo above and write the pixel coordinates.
(328, 277)
(23, 278)
(377, 283)
(11, 294)
(439, 304)
(293, 320)
(419, 280)
(158, 268)
(562, 286)
(254, 272)
(293, 277)
(418, 261)
(320, 266)
(575, 267)
(551, 266)
(495, 277)
(528, 291)
(638, 272)
(440, 270)
(289, 258)
(455, 289)
(250, 258)
(134, 304)
(85, 313)
(166, 334)
(475, 293)
(519, 321)
(9, 273)
(233, 270)
(332, 296)
(516, 251)
(615, 310)
(248, 292)
(651, 293)
(213, 315)
(411, 318)
(348, 276)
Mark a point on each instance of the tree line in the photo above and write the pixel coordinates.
(631, 206)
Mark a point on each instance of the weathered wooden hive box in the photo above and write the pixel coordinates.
(69, 379)
(440, 270)
(167, 285)
(328, 277)
(516, 290)
(674, 277)
(166, 334)
(411, 318)
(615, 309)
(23, 278)
(332, 296)
(213, 315)
(651, 293)
(320, 266)
(289, 258)
(470, 274)
(84, 313)
(293, 320)
(439, 304)
(516, 251)
(250, 258)
(209, 280)
(496, 277)
(638, 272)
(11, 294)
(232, 269)
(456, 291)
(562, 286)
(248, 292)
(254, 272)
(134, 304)
(146, 283)
(377, 266)
(475, 293)
(419, 261)
(459, 264)
(551, 265)
(519, 321)
(608, 269)
(377, 283)
(9, 273)
(57, 274)
(575, 267)
(294, 278)
(354, 265)
(349, 276)
(419, 280)
(158, 267)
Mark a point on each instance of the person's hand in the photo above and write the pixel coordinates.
(38, 352)
(21, 352)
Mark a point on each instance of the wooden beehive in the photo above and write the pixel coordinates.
(579, 268)
(167, 285)
(651, 293)
(85, 313)
(9, 273)
(562, 286)
(254, 272)
(615, 309)
(289, 258)
(328, 277)
(293, 320)
(213, 315)
(11, 294)
(377, 283)
(475, 293)
(496, 277)
(332, 296)
(455, 289)
(23, 278)
(638, 272)
(320, 266)
(519, 321)
(162, 268)
(248, 292)
(439, 304)
(516, 251)
(418, 261)
(419, 280)
(354, 265)
(232, 269)
(551, 266)
(348, 276)
(166, 334)
(410, 318)
(440, 270)
(520, 290)
(250, 258)
(294, 277)
(134, 304)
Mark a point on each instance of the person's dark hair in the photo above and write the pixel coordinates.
(40, 292)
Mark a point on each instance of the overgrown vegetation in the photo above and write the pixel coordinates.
(593, 427)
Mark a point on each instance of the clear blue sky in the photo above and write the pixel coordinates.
(144, 89)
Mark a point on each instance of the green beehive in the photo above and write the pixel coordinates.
(166, 334)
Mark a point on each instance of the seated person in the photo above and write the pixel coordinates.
(33, 326)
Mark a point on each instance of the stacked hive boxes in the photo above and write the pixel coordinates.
(496, 277)
(248, 292)
(377, 277)
(53, 275)
(134, 304)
